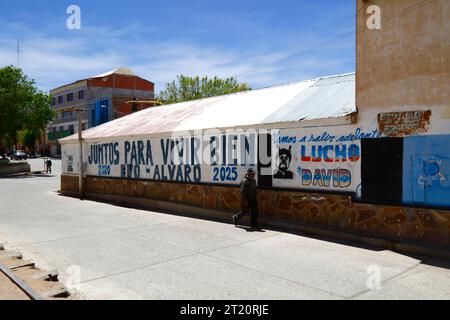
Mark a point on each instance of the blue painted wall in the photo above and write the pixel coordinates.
(100, 112)
(426, 170)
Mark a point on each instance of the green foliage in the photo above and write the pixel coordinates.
(22, 106)
(192, 88)
(27, 138)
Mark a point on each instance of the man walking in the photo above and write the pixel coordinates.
(49, 166)
(248, 200)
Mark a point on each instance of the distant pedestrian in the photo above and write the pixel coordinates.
(49, 166)
(248, 200)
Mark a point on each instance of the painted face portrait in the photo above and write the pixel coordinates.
(285, 158)
(285, 162)
(70, 164)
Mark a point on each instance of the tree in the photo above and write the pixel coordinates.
(22, 106)
(192, 88)
(38, 113)
(27, 138)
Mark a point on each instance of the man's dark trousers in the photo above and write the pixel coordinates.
(253, 208)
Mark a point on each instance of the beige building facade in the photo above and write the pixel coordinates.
(406, 63)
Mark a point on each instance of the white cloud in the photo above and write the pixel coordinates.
(56, 58)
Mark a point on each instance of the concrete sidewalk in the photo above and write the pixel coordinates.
(126, 253)
(9, 291)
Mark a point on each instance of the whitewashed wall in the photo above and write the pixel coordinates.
(327, 158)
(222, 159)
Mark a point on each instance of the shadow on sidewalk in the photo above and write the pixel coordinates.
(249, 229)
(28, 176)
(425, 259)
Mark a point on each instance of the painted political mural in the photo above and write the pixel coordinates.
(196, 158)
(310, 158)
(319, 159)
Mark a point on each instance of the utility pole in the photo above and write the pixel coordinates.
(80, 143)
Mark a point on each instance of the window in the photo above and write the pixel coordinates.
(69, 97)
(60, 99)
(72, 129)
(61, 128)
(134, 107)
(53, 101)
(81, 94)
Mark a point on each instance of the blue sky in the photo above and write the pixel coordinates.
(262, 42)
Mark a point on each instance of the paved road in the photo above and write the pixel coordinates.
(9, 291)
(124, 253)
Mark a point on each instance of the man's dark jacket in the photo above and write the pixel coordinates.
(248, 193)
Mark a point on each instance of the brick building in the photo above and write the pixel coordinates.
(103, 98)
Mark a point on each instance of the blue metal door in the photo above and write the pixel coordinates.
(430, 183)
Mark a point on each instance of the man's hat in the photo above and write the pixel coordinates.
(250, 170)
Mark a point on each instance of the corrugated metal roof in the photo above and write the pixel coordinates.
(322, 98)
(330, 97)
